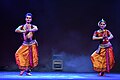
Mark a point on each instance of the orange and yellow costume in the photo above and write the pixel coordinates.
(27, 56)
(103, 57)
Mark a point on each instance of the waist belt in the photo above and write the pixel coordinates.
(30, 42)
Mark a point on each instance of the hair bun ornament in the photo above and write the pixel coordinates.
(102, 20)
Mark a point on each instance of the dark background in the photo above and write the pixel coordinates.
(65, 28)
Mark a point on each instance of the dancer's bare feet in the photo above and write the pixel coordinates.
(28, 74)
(21, 72)
(101, 74)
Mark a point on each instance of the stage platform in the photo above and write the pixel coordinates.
(58, 76)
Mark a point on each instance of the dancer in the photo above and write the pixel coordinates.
(103, 58)
(27, 55)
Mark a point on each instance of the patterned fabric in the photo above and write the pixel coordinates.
(27, 56)
(100, 33)
(104, 60)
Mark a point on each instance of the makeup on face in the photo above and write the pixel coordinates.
(28, 19)
(102, 25)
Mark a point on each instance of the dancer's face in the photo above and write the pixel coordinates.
(28, 19)
(102, 25)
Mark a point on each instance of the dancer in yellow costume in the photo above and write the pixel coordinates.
(103, 57)
(27, 55)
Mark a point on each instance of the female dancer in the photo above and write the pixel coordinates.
(27, 55)
(103, 58)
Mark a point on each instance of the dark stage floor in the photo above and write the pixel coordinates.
(58, 76)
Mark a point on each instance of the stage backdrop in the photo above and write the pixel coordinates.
(65, 28)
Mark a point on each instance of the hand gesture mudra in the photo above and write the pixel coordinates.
(105, 36)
